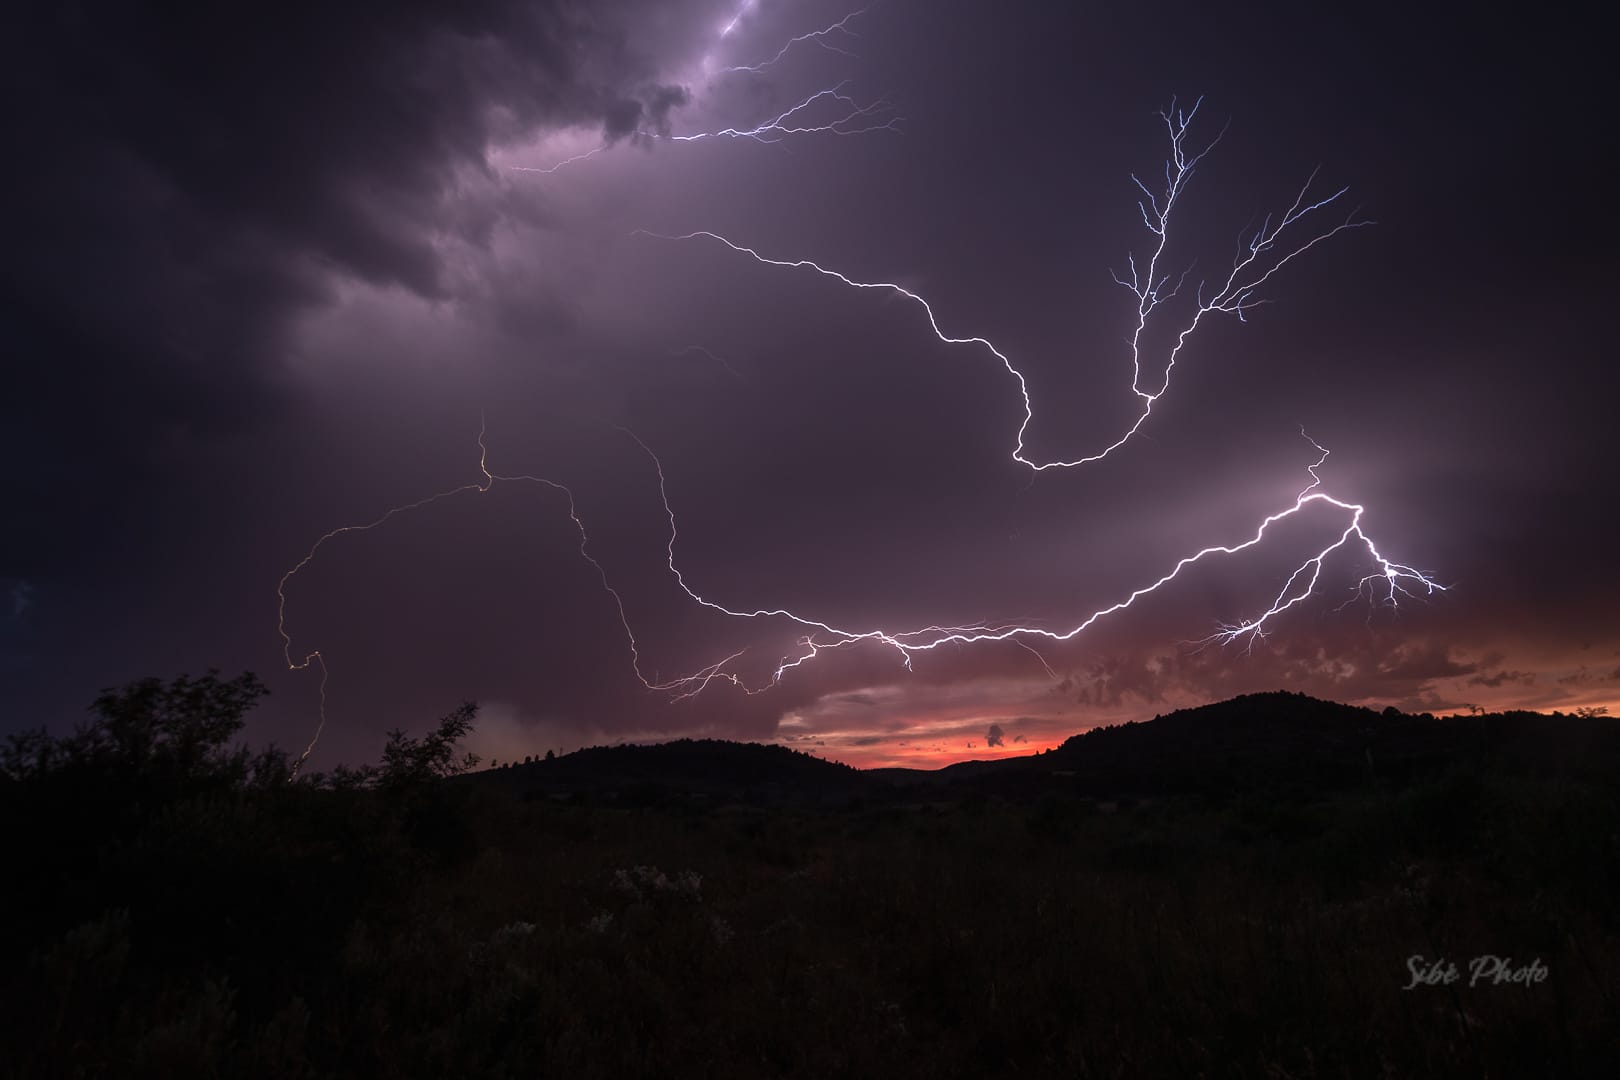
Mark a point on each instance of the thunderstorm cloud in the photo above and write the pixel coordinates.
(271, 270)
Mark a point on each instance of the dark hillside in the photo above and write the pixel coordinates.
(1271, 742)
(689, 770)
(1235, 890)
(1283, 740)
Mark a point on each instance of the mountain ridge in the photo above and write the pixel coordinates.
(1265, 740)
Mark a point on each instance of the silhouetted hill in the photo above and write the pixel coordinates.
(1288, 740)
(1279, 742)
(1235, 890)
(1254, 740)
(709, 770)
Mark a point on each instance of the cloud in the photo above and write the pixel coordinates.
(196, 177)
(1498, 678)
(994, 736)
(1422, 660)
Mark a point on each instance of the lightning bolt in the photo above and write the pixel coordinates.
(847, 116)
(548, 170)
(1393, 579)
(851, 117)
(748, 5)
(1257, 261)
(819, 37)
(1260, 257)
(680, 687)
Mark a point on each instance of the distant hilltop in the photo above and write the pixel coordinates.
(1269, 741)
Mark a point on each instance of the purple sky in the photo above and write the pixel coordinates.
(267, 272)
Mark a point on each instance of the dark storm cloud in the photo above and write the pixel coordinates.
(994, 736)
(1422, 661)
(1498, 678)
(196, 174)
(266, 269)
(326, 131)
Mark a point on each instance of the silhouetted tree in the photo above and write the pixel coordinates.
(154, 732)
(409, 763)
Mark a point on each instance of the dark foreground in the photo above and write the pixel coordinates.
(1235, 891)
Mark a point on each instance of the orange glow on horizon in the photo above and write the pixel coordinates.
(934, 756)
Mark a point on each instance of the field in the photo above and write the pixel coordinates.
(1249, 907)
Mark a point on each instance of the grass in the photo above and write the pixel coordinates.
(457, 929)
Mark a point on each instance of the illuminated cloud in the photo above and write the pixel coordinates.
(266, 270)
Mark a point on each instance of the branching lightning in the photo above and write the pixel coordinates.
(853, 118)
(1260, 257)
(1281, 238)
(839, 113)
(680, 687)
(1257, 261)
(818, 37)
(1390, 581)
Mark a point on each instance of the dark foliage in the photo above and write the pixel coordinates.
(1233, 891)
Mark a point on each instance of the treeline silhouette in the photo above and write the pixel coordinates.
(1226, 891)
(179, 882)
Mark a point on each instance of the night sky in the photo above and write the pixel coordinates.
(269, 270)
